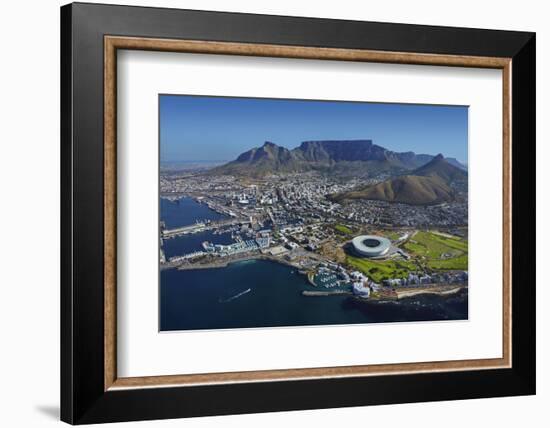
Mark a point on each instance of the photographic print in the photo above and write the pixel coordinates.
(291, 212)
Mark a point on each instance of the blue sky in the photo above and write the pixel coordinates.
(197, 128)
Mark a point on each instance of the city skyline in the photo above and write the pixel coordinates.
(218, 129)
(323, 225)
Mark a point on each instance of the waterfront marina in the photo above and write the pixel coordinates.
(245, 275)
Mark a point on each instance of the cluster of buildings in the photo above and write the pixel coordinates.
(425, 279)
(289, 215)
(291, 198)
(386, 214)
(237, 247)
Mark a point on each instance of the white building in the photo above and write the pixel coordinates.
(370, 245)
(360, 289)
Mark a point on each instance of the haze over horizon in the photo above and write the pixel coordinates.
(218, 129)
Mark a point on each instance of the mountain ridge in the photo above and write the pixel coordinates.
(322, 155)
(429, 184)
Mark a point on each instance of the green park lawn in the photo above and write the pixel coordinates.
(380, 270)
(392, 235)
(432, 247)
(456, 263)
(343, 229)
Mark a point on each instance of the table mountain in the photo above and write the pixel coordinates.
(346, 157)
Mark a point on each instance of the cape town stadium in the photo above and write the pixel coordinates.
(370, 245)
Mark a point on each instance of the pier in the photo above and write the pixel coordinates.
(201, 227)
(326, 293)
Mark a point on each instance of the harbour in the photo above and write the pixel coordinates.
(250, 289)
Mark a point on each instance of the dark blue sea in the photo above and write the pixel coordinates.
(219, 298)
(184, 212)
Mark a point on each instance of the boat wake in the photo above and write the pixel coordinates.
(236, 296)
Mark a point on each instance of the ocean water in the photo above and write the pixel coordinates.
(185, 211)
(219, 298)
(212, 299)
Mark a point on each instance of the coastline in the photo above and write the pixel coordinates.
(225, 263)
(396, 294)
(440, 290)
